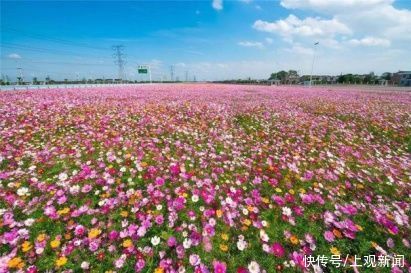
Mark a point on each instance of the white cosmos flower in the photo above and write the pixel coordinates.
(187, 243)
(85, 265)
(194, 198)
(287, 211)
(263, 236)
(74, 189)
(63, 176)
(155, 240)
(23, 191)
(241, 245)
(254, 267)
(29, 222)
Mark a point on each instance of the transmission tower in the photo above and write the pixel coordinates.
(20, 79)
(172, 72)
(119, 60)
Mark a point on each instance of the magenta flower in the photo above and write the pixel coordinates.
(277, 249)
(329, 236)
(171, 242)
(219, 267)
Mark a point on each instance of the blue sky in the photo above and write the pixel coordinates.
(209, 39)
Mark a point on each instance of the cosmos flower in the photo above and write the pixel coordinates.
(155, 240)
(254, 267)
(99, 177)
(219, 267)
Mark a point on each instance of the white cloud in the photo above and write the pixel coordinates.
(217, 4)
(14, 56)
(246, 1)
(298, 49)
(367, 17)
(370, 41)
(251, 44)
(333, 6)
(269, 40)
(308, 27)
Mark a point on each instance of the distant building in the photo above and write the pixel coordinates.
(402, 78)
(274, 82)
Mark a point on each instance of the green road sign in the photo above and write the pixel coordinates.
(142, 71)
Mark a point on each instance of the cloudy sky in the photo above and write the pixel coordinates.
(211, 40)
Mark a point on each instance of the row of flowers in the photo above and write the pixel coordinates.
(202, 178)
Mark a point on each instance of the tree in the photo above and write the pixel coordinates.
(281, 75)
(386, 76)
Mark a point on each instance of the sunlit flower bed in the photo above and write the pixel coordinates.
(203, 178)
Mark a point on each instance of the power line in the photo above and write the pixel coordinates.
(172, 72)
(41, 49)
(52, 39)
(118, 60)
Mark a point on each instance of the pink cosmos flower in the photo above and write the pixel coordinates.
(140, 264)
(171, 242)
(219, 267)
(329, 236)
(277, 249)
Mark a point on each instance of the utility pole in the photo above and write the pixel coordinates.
(19, 75)
(172, 73)
(312, 65)
(119, 60)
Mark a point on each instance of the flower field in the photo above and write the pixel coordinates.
(203, 178)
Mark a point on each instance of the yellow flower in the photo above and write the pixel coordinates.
(61, 261)
(55, 244)
(359, 227)
(26, 246)
(250, 208)
(185, 195)
(247, 222)
(159, 270)
(278, 190)
(223, 247)
(301, 190)
(143, 164)
(335, 251)
(294, 240)
(219, 213)
(127, 243)
(124, 213)
(93, 233)
(291, 191)
(16, 262)
(265, 200)
(63, 211)
(224, 236)
(41, 237)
